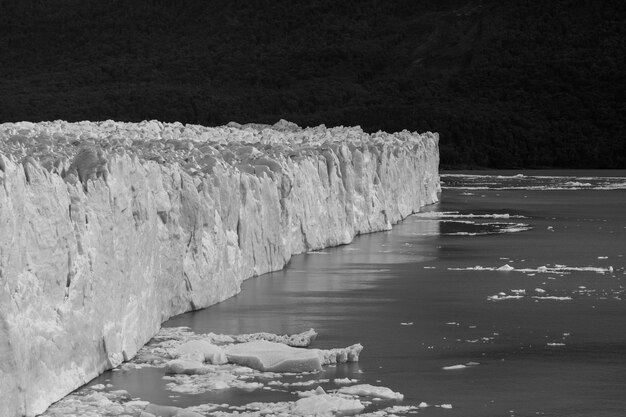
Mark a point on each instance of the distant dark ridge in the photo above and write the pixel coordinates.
(506, 83)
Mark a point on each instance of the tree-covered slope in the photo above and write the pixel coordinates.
(506, 83)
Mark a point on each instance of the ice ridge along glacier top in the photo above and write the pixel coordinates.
(107, 229)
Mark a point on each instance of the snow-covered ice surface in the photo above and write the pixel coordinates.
(107, 228)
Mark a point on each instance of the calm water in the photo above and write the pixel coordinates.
(550, 341)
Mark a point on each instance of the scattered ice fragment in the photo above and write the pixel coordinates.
(310, 393)
(556, 344)
(296, 340)
(367, 390)
(453, 367)
(185, 366)
(344, 381)
(557, 269)
(552, 298)
(200, 350)
(446, 406)
(540, 290)
(326, 404)
(423, 405)
(97, 386)
(276, 357)
(603, 257)
(502, 296)
(409, 323)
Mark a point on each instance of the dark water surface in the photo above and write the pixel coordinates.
(416, 300)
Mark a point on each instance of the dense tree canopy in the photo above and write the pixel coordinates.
(506, 83)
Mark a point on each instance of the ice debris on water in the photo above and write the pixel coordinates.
(197, 363)
(367, 390)
(544, 269)
(454, 367)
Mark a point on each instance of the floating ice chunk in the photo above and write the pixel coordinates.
(501, 296)
(408, 323)
(310, 393)
(185, 366)
(454, 367)
(326, 404)
(97, 386)
(344, 381)
(168, 411)
(200, 350)
(457, 215)
(306, 383)
(540, 290)
(297, 340)
(603, 257)
(518, 291)
(552, 298)
(446, 406)
(367, 390)
(557, 269)
(423, 405)
(576, 184)
(339, 355)
(276, 357)
(198, 384)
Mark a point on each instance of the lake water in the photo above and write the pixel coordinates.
(518, 278)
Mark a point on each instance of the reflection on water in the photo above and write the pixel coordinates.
(416, 300)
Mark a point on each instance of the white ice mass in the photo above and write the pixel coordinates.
(202, 377)
(107, 229)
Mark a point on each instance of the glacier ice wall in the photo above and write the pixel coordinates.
(108, 229)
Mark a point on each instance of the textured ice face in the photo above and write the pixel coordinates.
(107, 229)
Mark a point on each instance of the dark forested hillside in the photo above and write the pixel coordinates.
(506, 83)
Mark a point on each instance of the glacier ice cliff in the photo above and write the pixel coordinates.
(107, 229)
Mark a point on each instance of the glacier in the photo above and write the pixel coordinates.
(107, 229)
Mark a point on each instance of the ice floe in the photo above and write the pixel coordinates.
(367, 390)
(274, 357)
(556, 269)
(326, 404)
(199, 363)
(469, 182)
(454, 367)
(458, 215)
(344, 381)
